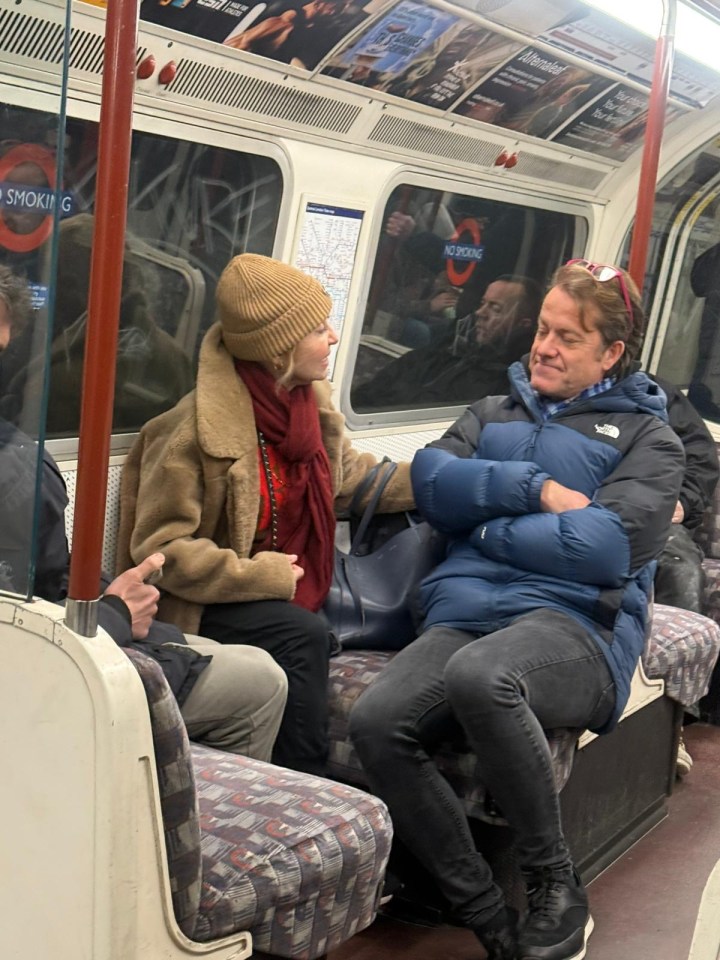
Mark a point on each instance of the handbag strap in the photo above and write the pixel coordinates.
(364, 485)
(369, 512)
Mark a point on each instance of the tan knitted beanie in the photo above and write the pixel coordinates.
(266, 307)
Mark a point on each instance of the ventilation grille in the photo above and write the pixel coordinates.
(241, 92)
(42, 41)
(422, 138)
(572, 174)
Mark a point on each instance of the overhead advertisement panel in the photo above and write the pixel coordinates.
(284, 30)
(451, 65)
(609, 43)
(534, 93)
(530, 18)
(383, 55)
(611, 127)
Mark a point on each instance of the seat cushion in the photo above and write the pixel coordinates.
(296, 859)
(352, 672)
(682, 650)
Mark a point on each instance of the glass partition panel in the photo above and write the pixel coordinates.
(191, 208)
(454, 297)
(33, 548)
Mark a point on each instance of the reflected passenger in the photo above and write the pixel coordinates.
(237, 486)
(468, 363)
(152, 370)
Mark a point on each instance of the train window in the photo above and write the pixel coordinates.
(683, 280)
(191, 208)
(454, 297)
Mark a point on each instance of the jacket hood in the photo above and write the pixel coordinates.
(634, 393)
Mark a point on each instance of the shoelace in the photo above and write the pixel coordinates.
(543, 901)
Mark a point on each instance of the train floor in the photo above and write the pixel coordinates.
(644, 905)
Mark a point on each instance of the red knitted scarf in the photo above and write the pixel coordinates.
(290, 424)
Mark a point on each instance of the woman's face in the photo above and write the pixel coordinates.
(312, 355)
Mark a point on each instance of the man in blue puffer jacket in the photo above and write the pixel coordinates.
(556, 501)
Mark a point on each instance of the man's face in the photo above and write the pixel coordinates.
(565, 357)
(496, 313)
(5, 329)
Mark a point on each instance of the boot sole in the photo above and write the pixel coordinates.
(589, 927)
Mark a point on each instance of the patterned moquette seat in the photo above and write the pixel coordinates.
(352, 672)
(296, 860)
(682, 650)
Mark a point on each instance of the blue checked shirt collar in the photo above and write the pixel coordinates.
(550, 408)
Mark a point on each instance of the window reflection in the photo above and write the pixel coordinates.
(454, 298)
(191, 208)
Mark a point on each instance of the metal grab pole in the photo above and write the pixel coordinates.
(662, 71)
(106, 268)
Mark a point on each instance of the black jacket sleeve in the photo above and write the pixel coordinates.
(701, 460)
(704, 273)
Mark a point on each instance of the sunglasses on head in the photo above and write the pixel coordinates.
(603, 272)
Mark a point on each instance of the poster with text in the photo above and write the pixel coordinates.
(452, 65)
(606, 41)
(531, 18)
(391, 44)
(284, 30)
(612, 127)
(533, 93)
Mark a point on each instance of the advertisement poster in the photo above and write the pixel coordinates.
(531, 18)
(608, 42)
(284, 30)
(390, 46)
(612, 127)
(534, 93)
(326, 250)
(452, 65)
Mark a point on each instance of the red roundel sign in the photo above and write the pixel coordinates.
(465, 246)
(43, 158)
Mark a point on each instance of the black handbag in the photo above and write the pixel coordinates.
(372, 601)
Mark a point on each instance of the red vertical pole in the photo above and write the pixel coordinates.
(106, 267)
(662, 71)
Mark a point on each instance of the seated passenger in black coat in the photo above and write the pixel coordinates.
(679, 578)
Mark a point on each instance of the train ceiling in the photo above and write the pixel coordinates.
(556, 70)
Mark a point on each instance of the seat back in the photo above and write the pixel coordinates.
(84, 853)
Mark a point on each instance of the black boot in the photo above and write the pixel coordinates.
(558, 920)
(499, 935)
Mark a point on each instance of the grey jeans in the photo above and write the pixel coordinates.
(237, 702)
(503, 689)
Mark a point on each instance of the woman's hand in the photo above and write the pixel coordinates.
(297, 570)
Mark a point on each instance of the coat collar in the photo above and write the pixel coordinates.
(223, 406)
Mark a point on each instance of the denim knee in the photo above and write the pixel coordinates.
(367, 718)
(473, 679)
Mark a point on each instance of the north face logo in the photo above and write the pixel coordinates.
(607, 430)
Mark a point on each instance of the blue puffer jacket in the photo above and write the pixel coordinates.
(480, 484)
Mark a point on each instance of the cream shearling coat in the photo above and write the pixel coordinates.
(191, 490)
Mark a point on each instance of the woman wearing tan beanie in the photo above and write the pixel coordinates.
(238, 486)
